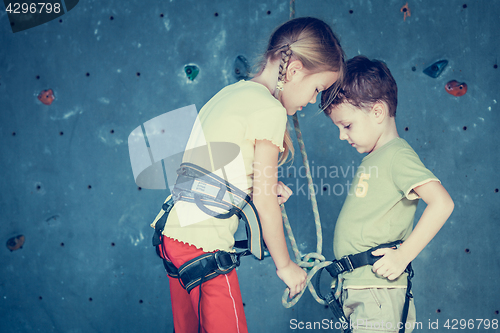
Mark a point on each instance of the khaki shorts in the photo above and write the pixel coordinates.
(377, 310)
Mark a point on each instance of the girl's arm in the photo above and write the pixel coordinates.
(439, 208)
(265, 198)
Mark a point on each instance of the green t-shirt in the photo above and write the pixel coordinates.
(380, 208)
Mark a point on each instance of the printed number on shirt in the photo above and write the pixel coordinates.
(362, 188)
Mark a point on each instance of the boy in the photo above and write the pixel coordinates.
(382, 201)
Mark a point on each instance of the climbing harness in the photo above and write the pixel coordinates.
(348, 264)
(197, 185)
(315, 262)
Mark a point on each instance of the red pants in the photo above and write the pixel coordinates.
(221, 304)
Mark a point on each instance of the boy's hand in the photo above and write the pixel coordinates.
(391, 265)
(294, 277)
(283, 192)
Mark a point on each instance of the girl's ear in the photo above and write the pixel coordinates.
(293, 68)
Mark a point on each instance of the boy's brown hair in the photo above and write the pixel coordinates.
(365, 83)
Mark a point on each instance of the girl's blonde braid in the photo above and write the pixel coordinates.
(286, 53)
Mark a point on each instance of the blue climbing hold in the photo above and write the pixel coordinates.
(241, 68)
(191, 71)
(436, 68)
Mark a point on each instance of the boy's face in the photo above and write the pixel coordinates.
(358, 127)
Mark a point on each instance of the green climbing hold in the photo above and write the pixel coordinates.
(191, 71)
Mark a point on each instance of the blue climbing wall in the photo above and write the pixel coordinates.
(67, 185)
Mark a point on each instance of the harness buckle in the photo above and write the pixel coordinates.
(225, 261)
(346, 263)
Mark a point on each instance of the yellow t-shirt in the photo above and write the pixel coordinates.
(380, 208)
(229, 124)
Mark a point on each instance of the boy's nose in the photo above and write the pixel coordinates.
(342, 135)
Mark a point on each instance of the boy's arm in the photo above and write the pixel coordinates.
(439, 208)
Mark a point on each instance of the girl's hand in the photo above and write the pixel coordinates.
(283, 192)
(294, 277)
(391, 265)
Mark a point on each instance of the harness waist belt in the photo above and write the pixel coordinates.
(203, 268)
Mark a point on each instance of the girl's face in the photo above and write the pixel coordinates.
(301, 88)
(357, 126)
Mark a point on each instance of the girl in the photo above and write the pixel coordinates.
(303, 58)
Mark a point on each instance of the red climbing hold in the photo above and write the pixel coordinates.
(456, 88)
(46, 97)
(15, 243)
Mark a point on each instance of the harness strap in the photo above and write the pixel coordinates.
(337, 311)
(161, 219)
(408, 296)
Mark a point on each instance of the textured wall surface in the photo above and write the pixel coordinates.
(87, 264)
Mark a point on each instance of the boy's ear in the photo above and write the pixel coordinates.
(293, 68)
(379, 111)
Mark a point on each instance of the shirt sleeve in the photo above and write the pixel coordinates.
(408, 172)
(267, 124)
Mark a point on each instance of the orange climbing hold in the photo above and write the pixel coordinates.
(406, 10)
(456, 88)
(15, 243)
(46, 97)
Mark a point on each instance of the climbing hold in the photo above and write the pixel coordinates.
(455, 88)
(15, 243)
(241, 69)
(191, 71)
(406, 10)
(436, 68)
(46, 97)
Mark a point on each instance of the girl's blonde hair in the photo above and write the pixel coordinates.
(313, 42)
